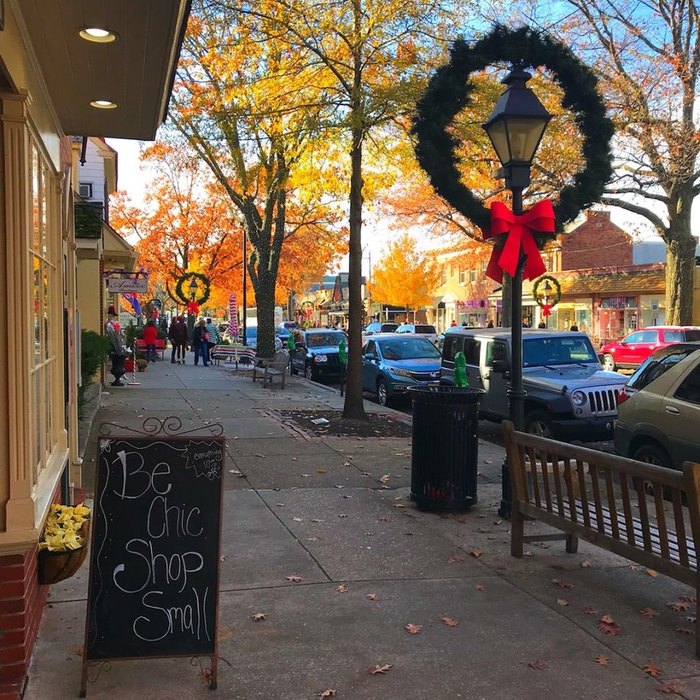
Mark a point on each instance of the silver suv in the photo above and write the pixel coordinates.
(659, 408)
(569, 395)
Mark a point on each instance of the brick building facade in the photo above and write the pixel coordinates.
(595, 243)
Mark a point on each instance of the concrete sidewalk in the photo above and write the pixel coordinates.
(370, 564)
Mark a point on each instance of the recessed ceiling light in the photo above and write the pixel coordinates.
(103, 104)
(98, 35)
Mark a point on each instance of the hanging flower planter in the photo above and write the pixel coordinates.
(64, 546)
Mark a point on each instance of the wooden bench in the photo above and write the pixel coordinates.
(160, 346)
(276, 367)
(593, 495)
(233, 354)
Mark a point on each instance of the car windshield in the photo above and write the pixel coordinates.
(407, 349)
(692, 335)
(322, 340)
(388, 327)
(557, 351)
(425, 329)
(659, 363)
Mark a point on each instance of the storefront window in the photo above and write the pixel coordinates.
(42, 259)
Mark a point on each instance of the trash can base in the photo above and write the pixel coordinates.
(431, 504)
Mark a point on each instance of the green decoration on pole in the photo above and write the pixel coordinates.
(461, 380)
(343, 352)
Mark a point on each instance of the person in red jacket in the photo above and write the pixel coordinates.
(150, 335)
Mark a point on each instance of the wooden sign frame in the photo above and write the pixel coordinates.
(165, 491)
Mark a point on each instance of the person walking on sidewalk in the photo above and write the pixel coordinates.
(213, 336)
(200, 343)
(178, 338)
(150, 335)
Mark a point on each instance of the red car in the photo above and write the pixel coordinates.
(633, 349)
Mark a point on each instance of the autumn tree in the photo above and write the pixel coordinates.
(184, 225)
(405, 276)
(648, 57)
(249, 110)
(370, 56)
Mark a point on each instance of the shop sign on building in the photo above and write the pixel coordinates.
(127, 284)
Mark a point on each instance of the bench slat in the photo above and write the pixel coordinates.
(593, 470)
(680, 527)
(643, 512)
(661, 519)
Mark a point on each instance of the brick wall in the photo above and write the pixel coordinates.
(22, 601)
(597, 242)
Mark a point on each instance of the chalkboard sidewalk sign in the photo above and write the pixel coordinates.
(154, 560)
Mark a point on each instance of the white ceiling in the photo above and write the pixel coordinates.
(135, 72)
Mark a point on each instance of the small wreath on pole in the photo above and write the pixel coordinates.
(548, 301)
(186, 299)
(449, 92)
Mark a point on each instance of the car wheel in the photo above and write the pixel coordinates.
(382, 393)
(538, 423)
(309, 372)
(652, 453)
(609, 363)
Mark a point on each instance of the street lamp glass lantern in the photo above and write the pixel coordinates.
(518, 121)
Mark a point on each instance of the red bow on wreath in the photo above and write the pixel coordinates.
(192, 308)
(519, 230)
(547, 309)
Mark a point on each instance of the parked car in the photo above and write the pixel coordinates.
(251, 334)
(316, 355)
(633, 349)
(423, 329)
(377, 327)
(659, 408)
(392, 363)
(569, 396)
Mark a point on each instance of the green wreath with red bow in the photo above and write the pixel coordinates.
(449, 91)
(193, 304)
(555, 298)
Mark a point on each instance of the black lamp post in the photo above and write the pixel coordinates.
(516, 127)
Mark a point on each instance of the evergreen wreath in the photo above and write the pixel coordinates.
(184, 298)
(551, 301)
(449, 92)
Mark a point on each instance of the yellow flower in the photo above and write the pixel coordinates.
(63, 528)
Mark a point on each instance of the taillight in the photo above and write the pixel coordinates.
(621, 396)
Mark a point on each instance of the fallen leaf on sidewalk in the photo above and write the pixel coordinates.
(385, 519)
(372, 596)
(297, 520)
(328, 693)
(608, 626)
(679, 606)
(454, 558)
(317, 520)
(585, 564)
(295, 579)
(538, 665)
(263, 456)
(480, 588)
(449, 622)
(672, 687)
(649, 612)
(563, 584)
(602, 660)
(590, 611)
(321, 470)
(652, 669)
(652, 573)
(341, 589)
(562, 602)
(384, 479)
(476, 552)
(412, 628)
(257, 617)
(374, 670)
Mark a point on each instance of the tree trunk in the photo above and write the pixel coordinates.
(354, 407)
(680, 271)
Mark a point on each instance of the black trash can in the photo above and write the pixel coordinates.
(445, 447)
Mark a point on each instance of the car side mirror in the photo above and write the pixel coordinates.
(499, 366)
(370, 357)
